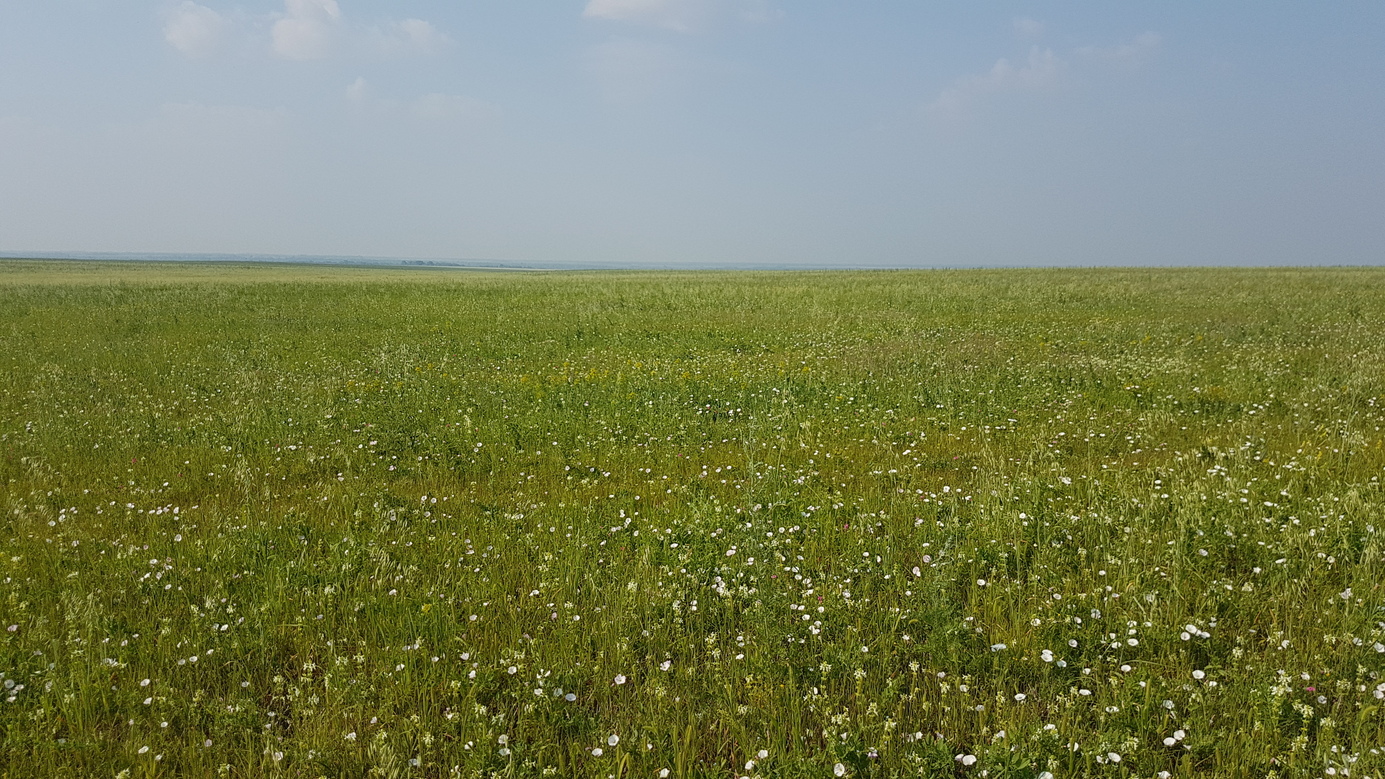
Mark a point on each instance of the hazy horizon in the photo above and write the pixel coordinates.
(695, 133)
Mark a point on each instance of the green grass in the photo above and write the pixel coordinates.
(276, 521)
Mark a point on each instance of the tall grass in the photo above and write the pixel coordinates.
(283, 522)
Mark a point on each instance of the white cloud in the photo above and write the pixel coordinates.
(680, 15)
(194, 30)
(307, 30)
(1040, 70)
(1132, 53)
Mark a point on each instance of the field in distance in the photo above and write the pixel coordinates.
(302, 522)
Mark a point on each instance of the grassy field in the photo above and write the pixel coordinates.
(277, 521)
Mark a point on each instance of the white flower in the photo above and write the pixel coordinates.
(142, 750)
(1199, 674)
(620, 679)
(967, 760)
(839, 770)
(596, 752)
(762, 754)
(351, 736)
(503, 740)
(1113, 757)
(613, 740)
(663, 773)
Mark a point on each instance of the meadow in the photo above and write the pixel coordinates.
(300, 522)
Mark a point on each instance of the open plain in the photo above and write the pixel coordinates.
(302, 522)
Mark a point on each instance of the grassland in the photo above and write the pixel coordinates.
(319, 522)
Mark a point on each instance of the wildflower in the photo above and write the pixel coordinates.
(967, 760)
(351, 736)
(620, 679)
(597, 752)
(1199, 674)
(613, 740)
(839, 770)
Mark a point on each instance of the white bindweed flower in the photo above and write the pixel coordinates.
(620, 679)
(839, 770)
(612, 740)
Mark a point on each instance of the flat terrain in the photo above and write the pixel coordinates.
(278, 521)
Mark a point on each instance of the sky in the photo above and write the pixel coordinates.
(698, 132)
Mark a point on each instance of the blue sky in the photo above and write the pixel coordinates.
(698, 131)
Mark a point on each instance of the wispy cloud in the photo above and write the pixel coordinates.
(1029, 29)
(411, 36)
(1041, 70)
(432, 109)
(304, 30)
(1131, 53)
(680, 15)
(194, 30)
